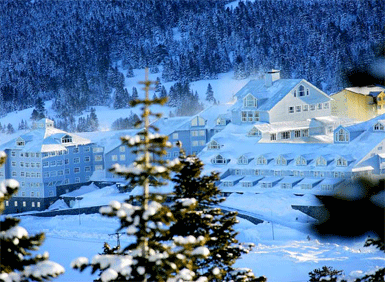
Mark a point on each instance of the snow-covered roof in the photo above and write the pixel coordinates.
(251, 178)
(235, 138)
(232, 178)
(168, 125)
(46, 139)
(366, 90)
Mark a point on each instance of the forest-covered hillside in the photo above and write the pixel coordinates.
(70, 50)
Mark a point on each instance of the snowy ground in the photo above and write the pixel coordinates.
(286, 251)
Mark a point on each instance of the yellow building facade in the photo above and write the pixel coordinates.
(359, 103)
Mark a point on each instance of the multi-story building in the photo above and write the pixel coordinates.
(360, 103)
(274, 100)
(44, 159)
(194, 132)
(355, 151)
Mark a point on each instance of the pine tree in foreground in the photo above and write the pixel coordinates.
(17, 262)
(209, 221)
(145, 219)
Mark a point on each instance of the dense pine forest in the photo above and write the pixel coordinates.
(73, 51)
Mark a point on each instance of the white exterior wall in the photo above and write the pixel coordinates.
(280, 112)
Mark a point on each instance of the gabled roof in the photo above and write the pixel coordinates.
(267, 97)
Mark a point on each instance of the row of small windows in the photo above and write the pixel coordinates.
(280, 160)
(298, 133)
(56, 162)
(24, 204)
(114, 158)
(306, 108)
(26, 155)
(195, 133)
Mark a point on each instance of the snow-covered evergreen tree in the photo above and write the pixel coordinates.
(209, 221)
(145, 218)
(210, 94)
(17, 263)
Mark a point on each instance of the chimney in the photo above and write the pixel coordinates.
(271, 76)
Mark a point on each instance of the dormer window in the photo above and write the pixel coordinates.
(341, 162)
(261, 160)
(320, 161)
(342, 135)
(250, 101)
(378, 127)
(221, 121)
(281, 161)
(219, 160)
(300, 161)
(66, 139)
(20, 142)
(244, 159)
(214, 145)
(254, 132)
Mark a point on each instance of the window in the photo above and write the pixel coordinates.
(319, 106)
(219, 160)
(13, 163)
(87, 169)
(76, 169)
(13, 154)
(320, 161)
(307, 92)
(243, 160)
(326, 105)
(273, 136)
(254, 132)
(305, 108)
(248, 116)
(168, 155)
(87, 159)
(24, 204)
(60, 172)
(26, 164)
(21, 164)
(52, 163)
(77, 179)
(122, 149)
(32, 164)
(194, 133)
(15, 203)
(114, 158)
(285, 135)
(53, 173)
(6, 203)
(98, 158)
(76, 160)
(378, 126)
(305, 132)
(22, 173)
(312, 107)
(341, 162)
(341, 136)
(297, 133)
(75, 150)
(59, 162)
(194, 143)
(46, 174)
(246, 184)
(249, 101)
(66, 161)
(33, 204)
(301, 91)
(202, 133)
(20, 143)
(97, 150)
(67, 171)
(213, 145)
(261, 160)
(14, 173)
(202, 142)
(295, 93)
(298, 109)
(98, 167)
(66, 139)
(122, 157)
(291, 110)
(280, 161)
(175, 135)
(300, 161)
